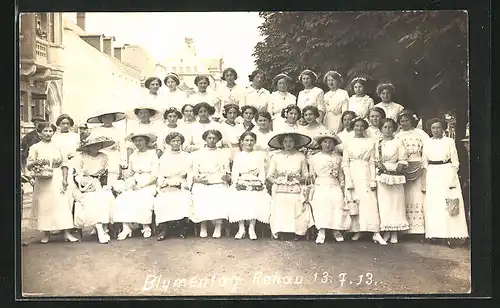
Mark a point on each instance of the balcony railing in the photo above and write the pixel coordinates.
(41, 51)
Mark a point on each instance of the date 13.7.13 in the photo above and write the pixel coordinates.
(343, 279)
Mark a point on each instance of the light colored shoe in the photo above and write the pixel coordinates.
(45, 239)
(356, 236)
(241, 234)
(252, 235)
(146, 232)
(217, 231)
(124, 235)
(203, 231)
(337, 235)
(70, 238)
(377, 238)
(103, 238)
(394, 238)
(320, 239)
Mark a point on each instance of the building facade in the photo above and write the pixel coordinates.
(41, 67)
(187, 64)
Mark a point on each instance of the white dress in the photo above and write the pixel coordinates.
(173, 203)
(115, 153)
(210, 201)
(232, 135)
(68, 143)
(283, 127)
(439, 179)
(51, 209)
(361, 105)
(176, 99)
(345, 137)
(137, 205)
(96, 205)
(277, 102)
(390, 190)
(262, 147)
(413, 141)
(327, 201)
(257, 98)
(311, 132)
(235, 95)
(391, 109)
(247, 205)
(359, 169)
(336, 102)
(373, 132)
(289, 213)
(311, 97)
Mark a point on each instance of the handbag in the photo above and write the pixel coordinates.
(352, 204)
(452, 202)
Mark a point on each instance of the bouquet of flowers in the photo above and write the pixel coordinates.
(288, 185)
(249, 183)
(42, 169)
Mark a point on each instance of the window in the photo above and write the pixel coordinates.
(24, 107)
(188, 69)
(37, 105)
(181, 69)
(195, 69)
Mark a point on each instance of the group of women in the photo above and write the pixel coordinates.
(243, 155)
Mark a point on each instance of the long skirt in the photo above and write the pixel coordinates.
(248, 205)
(391, 204)
(332, 121)
(93, 207)
(135, 206)
(438, 222)
(329, 208)
(414, 201)
(172, 204)
(51, 210)
(289, 213)
(209, 202)
(368, 219)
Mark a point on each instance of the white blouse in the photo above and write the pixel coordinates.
(232, 133)
(391, 109)
(251, 163)
(67, 142)
(278, 101)
(262, 139)
(441, 149)
(257, 98)
(313, 97)
(345, 137)
(336, 102)
(235, 95)
(177, 99)
(209, 97)
(361, 105)
(144, 165)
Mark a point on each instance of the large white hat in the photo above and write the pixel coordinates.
(151, 136)
(301, 140)
(327, 134)
(105, 110)
(103, 141)
(145, 102)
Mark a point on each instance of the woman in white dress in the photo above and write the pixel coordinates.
(231, 130)
(144, 118)
(327, 198)
(385, 91)
(346, 133)
(263, 131)
(188, 115)
(231, 93)
(114, 152)
(288, 173)
(173, 96)
(311, 95)
(312, 128)
(413, 140)
(359, 170)
(336, 101)
(375, 115)
(360, 103)
(256, 95)
(248, 114)
(94, 200)
(172, 116)
(204, 112)
(291, 114)
(205, 95)
(51, 207)
(444, 219)
(250, 200)
(153, 95)
(280, 98)
(135, 202)
(211, 175)
(390, 157)
(172, 206)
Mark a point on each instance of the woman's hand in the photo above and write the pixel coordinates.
(64, 185)
(373, 185)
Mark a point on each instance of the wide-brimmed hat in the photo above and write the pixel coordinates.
(119, 115)
(301, 140)
(103, 141)
(151, 136)
(158, 113)
(327, 134)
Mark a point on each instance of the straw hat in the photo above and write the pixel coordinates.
(131, 113)
(119, 115)
(103, 141)
(150, 135)
(327, 134)
(301, 140)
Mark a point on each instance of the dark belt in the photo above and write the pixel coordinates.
(438, 162)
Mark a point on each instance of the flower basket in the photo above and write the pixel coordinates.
(452, 203)
(42, 169)
(249, 185)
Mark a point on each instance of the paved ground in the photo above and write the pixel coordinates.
(195, 266)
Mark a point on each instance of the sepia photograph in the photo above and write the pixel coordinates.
(244, 153)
